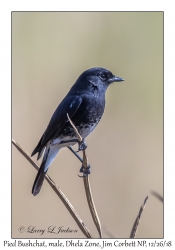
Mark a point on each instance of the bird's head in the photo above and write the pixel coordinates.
(95, 80)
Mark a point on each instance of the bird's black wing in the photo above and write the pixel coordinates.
(69, 106)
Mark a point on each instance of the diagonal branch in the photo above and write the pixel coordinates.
(58, 191)
(87, 183)
(137, 221)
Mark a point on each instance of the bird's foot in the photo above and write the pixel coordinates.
(86, 171)
(82, 145)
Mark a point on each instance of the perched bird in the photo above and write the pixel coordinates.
(84, 103)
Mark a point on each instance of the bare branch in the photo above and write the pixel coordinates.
(87, 184)
(137, 221)
(58, 191)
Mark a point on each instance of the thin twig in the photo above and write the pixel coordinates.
(58, 191)
(109, 233)
(87, 184)
(92, 205)
(157, 195)
(137, 221)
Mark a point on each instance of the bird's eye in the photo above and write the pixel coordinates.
(103, 76)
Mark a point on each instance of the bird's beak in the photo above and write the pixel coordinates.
(115, 79)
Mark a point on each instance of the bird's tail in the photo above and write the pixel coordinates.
(49, 155)
(39, 180)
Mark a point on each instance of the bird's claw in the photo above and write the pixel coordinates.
(86, 171)
(82, 145)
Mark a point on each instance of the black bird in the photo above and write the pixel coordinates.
(84, 103)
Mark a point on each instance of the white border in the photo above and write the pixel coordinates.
(5, 91)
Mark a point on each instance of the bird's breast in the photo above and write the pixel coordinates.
(89, 115)
(86, 117)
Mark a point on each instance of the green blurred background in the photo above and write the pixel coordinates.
(49, 51)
